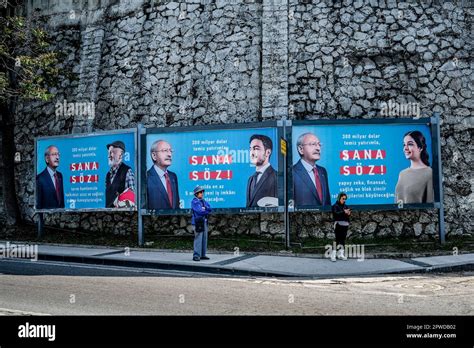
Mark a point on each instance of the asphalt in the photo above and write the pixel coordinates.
(240, 264)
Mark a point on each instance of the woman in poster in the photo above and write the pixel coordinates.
(415, 184)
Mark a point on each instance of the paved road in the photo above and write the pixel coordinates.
(70, 289)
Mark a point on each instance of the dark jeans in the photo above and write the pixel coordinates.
(200, 241)
(341, 234)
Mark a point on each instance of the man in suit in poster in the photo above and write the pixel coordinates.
(310, 181)
(49, 183)
(120, 178)
(162, 184)
(263, 183)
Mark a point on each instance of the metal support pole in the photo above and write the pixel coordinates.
(286, 218)
(442, 227)
(141, 240)
(40, 225)
(287, 214)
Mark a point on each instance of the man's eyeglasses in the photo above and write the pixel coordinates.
(165, 150)
(312, 144)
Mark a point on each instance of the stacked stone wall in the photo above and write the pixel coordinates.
(167, 64)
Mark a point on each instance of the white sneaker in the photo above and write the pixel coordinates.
(340, 255)
(333, 256)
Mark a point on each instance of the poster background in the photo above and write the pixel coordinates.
(96, 152)
(390, 139)
(220, 193)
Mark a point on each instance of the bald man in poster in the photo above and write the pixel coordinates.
(49, 183)
(161, 183)
(310, 181)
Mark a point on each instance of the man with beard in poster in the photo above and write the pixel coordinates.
(310, 181)
(263, 183)
(120, 177)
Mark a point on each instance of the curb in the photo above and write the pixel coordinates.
(389, 255)
(215, 269)
(159, 265)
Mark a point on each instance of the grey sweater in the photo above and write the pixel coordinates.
(415, 186)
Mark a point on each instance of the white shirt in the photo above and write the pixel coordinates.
(51, 173)
(161, 174)
(309, 169)
(262, 170)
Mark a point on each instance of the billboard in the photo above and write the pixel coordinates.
(86, 172)
(238, 166)
(376, 164)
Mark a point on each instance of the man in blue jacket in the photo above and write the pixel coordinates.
(161, 183)
(200, 209)
(49, 183)
(310, 181)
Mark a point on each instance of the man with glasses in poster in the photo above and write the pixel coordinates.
(162, 184)
(310, 181)
(49, 183)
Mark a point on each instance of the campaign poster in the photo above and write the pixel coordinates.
(374, 164)
(86, 172)
(238, 169)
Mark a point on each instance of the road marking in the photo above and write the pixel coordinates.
(234, 260)
(332, 285)
(18, 312)
(110, 253)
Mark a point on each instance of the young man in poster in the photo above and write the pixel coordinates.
(310, 181)
(161, 183)
(263, 183)
(120, 177)
(49, 183)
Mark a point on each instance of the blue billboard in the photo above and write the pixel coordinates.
(86, 172)
(374, 164)
(238, 168)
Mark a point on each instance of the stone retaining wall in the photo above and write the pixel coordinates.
(200, 62)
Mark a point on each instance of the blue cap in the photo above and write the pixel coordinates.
(198, 189)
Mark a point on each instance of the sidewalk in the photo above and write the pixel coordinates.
(250, 264)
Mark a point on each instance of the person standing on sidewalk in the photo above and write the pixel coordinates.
(341, 213)
(200, 209)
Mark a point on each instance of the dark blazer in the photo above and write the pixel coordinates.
(157, 197)
(304, 191)
(266, 187)
(46, 193)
